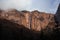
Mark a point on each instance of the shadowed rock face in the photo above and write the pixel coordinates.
(1, 11)
(34, 20)
(13, 31)
(57, 15)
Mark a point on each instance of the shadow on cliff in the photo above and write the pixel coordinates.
(13, 31)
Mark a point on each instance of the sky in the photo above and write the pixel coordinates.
(49, 6)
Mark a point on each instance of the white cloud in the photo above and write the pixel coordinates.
(17, 4)
(49, 6)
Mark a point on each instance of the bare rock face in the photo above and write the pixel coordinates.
(57, 15)
(34, 20)
(40, 20)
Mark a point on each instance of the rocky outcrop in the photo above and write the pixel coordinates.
(40, 20)
(13, 31)
(57, 15)
(34, 20)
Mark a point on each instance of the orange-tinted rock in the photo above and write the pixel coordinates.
(40, 20)
(34, 20)
(26, 19)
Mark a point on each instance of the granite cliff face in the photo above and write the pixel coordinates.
(34, 20)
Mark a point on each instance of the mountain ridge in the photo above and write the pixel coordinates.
(27, 18)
